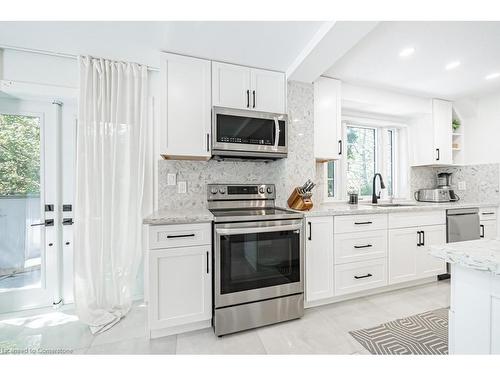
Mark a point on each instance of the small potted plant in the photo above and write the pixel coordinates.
(455, 124)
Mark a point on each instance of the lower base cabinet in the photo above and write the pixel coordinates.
(409, 257)
(358, 276)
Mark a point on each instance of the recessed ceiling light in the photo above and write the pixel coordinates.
(452, 65)
(407, 52)
(492, 76)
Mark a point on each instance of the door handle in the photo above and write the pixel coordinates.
(481, 231)
(46, 223)
(253, 94)
(364, 276)
(423, 238)
(419, 238)
(67, 221)
(437, 150)
(310, 231)
(208, 142)
(208, 267)
(340, 147)
(248, 98)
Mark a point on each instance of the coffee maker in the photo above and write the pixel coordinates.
(441, 193)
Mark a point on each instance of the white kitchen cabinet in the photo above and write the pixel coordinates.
(185, 125)
(431, 135)
(409, 257)
(328, 140)
(241, 87)
(428, 265)
(488, 229)
(319, 258)
(359, 276)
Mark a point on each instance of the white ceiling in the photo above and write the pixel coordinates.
(271, 45)
(375, 60)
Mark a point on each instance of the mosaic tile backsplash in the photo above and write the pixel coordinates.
(285, 173)
(481, 181)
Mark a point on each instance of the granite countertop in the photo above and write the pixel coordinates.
(179, 216)
(338, 209)
(478, 254)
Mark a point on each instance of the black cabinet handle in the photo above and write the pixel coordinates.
(253, 94)
(208, 267)
(46, 223)
(208, 142)
(488, 213)
(423, 238)
(248, 98)
(364, 276)
(437, 150)
(310, 231)
(481, 231)
(67, 221)
(180, 235)
(363, 222)
(362, 246)
(340, 147)
(419, 238)
(67, 243)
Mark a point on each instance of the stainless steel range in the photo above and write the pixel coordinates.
(259, 258)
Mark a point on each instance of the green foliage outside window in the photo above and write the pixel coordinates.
(19, 155)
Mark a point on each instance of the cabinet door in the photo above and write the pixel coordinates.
(402, 254)
(428, 265)
(231, 86)
(422, 140)
(441, 118)
(186, 107)
(180, 286)
(267, 91)
(319, 258)
(328, 143)
(488, 229)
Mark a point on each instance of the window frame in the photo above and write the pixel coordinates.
(340, 165)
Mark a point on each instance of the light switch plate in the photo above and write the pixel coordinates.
(461, 185)
(182, 187)
(171, 179)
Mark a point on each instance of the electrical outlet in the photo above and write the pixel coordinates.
(171, 179)
(461, 185)
(182, 187)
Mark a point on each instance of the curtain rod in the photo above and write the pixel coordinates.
(56, 54)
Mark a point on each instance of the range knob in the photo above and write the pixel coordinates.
(269, 190)
(261, 190)
(214, 190)
(222, 190)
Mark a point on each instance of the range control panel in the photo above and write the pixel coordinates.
(240, 191)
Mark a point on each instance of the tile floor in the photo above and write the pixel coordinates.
(322, 330)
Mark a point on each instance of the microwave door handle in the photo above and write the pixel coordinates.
(276, 133)
(277, 228)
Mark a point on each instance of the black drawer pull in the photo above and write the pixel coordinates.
(481, 231)
(488, 213)
(208, 262)
(364, 276)
(363, 222)
(180, 235)
(310, 231)
(362, 246)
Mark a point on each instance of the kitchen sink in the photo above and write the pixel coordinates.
(394, 204)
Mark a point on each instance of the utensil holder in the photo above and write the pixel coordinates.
(300, 202)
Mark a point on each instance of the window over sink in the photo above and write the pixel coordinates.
(371, 146)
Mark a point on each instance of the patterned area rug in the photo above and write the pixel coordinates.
(425, 333)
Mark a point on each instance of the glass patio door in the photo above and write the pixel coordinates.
(30, 224)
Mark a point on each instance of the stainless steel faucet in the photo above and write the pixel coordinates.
(375, 196)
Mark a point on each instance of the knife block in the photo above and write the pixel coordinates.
(299, 202)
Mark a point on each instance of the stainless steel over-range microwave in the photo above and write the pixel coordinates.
(238, 133)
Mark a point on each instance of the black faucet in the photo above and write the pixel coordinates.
(376, 196)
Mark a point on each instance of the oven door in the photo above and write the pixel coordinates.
(248, 131)
(258, 260)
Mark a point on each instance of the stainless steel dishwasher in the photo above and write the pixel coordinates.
(462, 224)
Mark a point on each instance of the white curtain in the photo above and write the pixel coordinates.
(112, 148)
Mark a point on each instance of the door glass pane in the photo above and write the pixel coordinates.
(330, 179)
(390, 162)
(258, 260)
(246, 130)
(361, 144)
(20, 205)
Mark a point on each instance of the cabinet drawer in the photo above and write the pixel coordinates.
(354, 247)
(416, 219)
(488, 213)
(359, 223)
(179, 235)
(357, 276)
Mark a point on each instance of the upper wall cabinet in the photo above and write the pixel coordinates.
(185, 107)
(432, 136)
(236, 86)
(328, 142)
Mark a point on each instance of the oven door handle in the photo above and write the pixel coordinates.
(277, 228)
